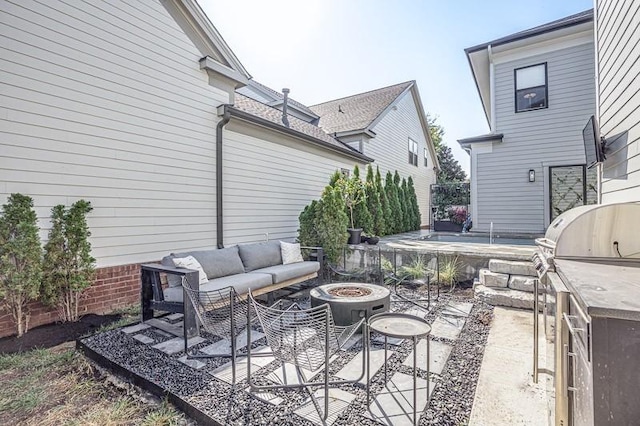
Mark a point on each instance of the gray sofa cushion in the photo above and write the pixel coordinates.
(241, 282)
(217, 263)
(282, 273)
(173, 280)
(260, 255)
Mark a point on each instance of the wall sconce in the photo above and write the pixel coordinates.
(532, 175)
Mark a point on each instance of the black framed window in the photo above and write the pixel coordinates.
(413, 152)
(531, 87)
(426, 157)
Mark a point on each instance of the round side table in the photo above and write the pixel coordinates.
(402, 326)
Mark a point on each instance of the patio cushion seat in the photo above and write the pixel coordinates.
(240, 282)
(281, 273)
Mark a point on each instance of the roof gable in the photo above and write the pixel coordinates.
(358, 112)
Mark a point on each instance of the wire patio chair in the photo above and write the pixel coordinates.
(305, 338)
(219, 312)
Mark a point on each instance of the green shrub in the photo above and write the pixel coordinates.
(308, 233)
(374, 204)
(68, 265)
(362, 217)
(20, 259)
(332, 222)
(384, 202)
(417, 220)
(394, 204)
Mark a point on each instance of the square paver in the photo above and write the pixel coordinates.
(224, 372)
(439, 355)
(144, 339)
(193, 362)
(353, 368)
(266, 396)
(447, 327)
(339, 400)
(174, 317)
(287, 373)
(135, 328)
(393, 405)
(173, 346)
(223, 347)
(457, 309)
(175, 329)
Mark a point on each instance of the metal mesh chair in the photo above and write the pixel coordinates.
(221, 313)
(305, 338)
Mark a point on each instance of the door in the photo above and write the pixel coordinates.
(571, 186)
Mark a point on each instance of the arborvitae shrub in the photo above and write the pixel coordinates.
(374, 204)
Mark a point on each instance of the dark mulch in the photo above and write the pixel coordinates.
(49, 335)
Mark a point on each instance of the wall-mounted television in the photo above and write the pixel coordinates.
(592, 144)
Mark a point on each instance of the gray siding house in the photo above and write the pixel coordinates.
(537, 90)
(618, 57)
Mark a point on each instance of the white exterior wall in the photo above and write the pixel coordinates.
(534, 140)
(390, 149)
(618, 34)
(268, 180)
(93, 106)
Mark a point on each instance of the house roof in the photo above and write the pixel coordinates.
(357, 112)
(489, 137)
(565, 22)
(279, 98)
(263, 114)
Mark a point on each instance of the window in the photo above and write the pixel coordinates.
(426, 157)
(531, 87)
(345, 172)
(413, 152)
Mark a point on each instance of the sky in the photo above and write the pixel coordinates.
(328, 49)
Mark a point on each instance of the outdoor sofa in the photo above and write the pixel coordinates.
(255, 266)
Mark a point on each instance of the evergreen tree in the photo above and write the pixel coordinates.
(402, 211)
(394, 204)
(68, 264)
(335, 177)
(407, 218)
(384, 202)
(332, 223)
(417, 220)
(308, 233)
(20, 259)
(450, 169)
(361, 216)
(374, 204)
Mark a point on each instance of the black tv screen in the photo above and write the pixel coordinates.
(592, 145)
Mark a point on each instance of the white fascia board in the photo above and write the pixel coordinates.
(543, 44)
(425, 124)
(366, 132)
(212, 66)
(480, 68)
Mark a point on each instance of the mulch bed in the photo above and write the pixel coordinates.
(50, 335)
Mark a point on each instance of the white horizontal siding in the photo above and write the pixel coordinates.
(105, 101)
(268, 180)
(534, 140)
(390, 149)
(618, 35)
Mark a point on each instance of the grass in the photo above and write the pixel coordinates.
(59, 386)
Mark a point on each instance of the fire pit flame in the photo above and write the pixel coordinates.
(350, 291)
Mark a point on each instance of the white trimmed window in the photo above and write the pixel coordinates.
(531, 87)
(426, 157)
(413, 152)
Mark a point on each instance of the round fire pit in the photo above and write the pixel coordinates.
(351, 301)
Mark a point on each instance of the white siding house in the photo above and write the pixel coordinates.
(537, 89)
(618, 53)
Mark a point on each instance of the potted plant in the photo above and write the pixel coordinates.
(352, 191)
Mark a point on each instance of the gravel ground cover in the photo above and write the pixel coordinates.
(450, 403)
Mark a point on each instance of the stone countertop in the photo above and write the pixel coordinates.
(604, 289)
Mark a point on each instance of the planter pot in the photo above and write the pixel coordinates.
(373, 240)
(447, 226)
(354, 235)
(364, 239)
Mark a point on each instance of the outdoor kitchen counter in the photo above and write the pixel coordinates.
(603, 289)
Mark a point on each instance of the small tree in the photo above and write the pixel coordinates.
(68, 264)
(407, 218)
(361, 215)
(20, 259)
(352, 193)
(384, 201)
(417, 221)
(374, 204)
(331, 223)
(394, 204)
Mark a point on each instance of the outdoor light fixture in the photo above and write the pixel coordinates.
(532, 175)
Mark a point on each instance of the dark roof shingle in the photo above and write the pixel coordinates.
(357, 112)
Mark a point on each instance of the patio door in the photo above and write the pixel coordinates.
(571, 186)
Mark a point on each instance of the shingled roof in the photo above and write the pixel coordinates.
(280, 97)
(357, 112)
(274, 115)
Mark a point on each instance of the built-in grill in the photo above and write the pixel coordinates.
(588, 266)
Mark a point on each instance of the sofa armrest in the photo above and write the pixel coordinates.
(157, 267)
(317, 254)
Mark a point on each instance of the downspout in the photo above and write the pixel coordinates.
(226, 116)
(492, 90)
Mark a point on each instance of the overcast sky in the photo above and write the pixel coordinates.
(327, 49)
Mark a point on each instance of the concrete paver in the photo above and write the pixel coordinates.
(439, 354)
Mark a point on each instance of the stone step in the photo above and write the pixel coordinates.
(504, 297)
(522, 283)
(512, 267)
(493, 279)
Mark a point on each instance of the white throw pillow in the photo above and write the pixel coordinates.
(190, 262)
(290, 253)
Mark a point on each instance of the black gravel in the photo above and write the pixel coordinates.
(450, 404)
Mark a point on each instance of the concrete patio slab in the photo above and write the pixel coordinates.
(339, 400)
(353, 368)
(224, 372)
(506, 394)
(173, 346)
(447, 327)
(457, 309)
(135, 328)
(193, 363)
(287, 374)
(224, 346)
(143, 339)
(174, 329)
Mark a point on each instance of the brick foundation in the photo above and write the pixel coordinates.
(114, 287)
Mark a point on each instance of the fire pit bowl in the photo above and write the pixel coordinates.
(351, 301)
